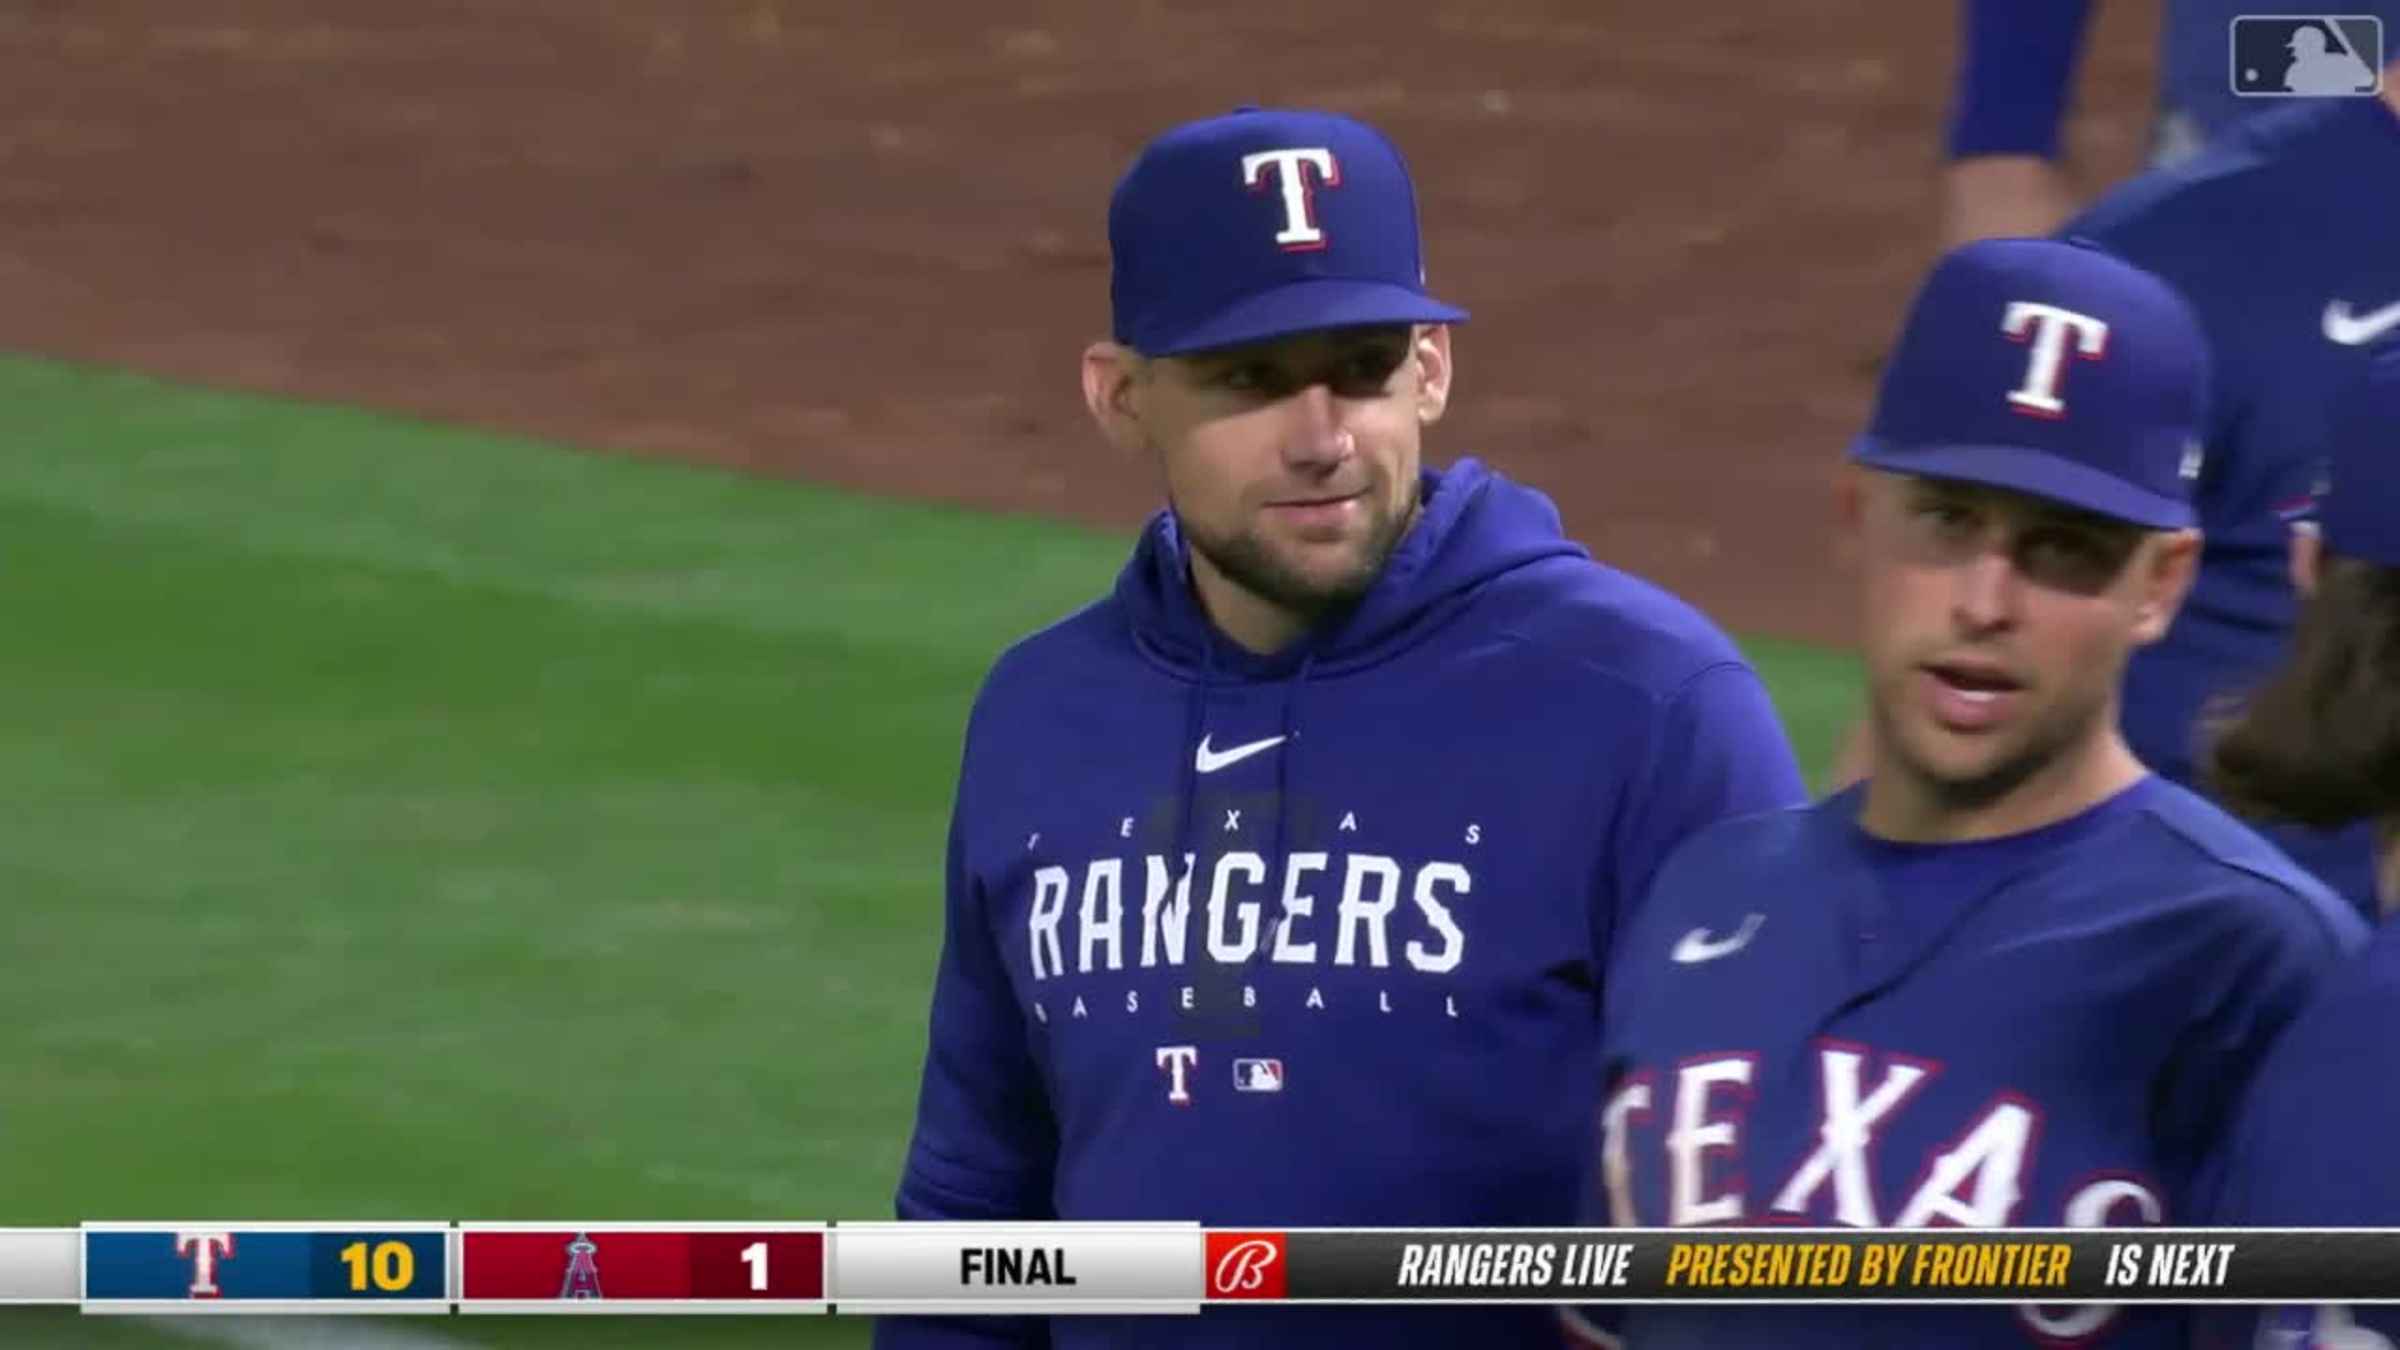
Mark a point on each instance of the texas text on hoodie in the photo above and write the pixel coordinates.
(1315, 940)
(1810, 1025)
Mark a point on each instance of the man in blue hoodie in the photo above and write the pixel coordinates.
(1281, 879)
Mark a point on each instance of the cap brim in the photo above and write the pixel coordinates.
(1303, 307)
(2034, 473)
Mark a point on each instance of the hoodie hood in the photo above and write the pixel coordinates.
(1475, 525)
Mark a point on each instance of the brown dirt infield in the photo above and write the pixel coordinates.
(792, 237)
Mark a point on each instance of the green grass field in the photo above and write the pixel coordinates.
(412, 823)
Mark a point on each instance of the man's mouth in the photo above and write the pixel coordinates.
(1974, 681)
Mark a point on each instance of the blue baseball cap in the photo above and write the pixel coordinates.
(2360, 514)
(2050, 368)
(1260, 224)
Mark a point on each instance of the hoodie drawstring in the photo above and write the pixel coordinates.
(1195, 726)
(1284, 772)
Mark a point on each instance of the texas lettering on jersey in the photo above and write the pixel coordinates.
(1875, 1157)
(1693, 1116)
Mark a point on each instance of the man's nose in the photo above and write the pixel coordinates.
(1318, 432)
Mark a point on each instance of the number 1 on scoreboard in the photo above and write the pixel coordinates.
(755, 1256)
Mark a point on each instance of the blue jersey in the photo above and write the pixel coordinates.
(1807, 1024)
(2315, 1146)
(1316, 939)
(2282, 239)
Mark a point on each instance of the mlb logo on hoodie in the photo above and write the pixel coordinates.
(1258, 1075)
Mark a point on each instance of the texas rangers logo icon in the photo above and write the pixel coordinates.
(1300, 232)
(583, 1269)
(2046, 327)
(204, 1251)
(1176, 1062)
(1247, 1265)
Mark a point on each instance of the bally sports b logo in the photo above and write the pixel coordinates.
(2046, 327)
(1290, 169)
(1246, 1265)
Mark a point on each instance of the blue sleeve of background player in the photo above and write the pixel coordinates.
(2271, 957)
(1717, 752)
(2314, 1147)
(2016, 59)
(986, 1145)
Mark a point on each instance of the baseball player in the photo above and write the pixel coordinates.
(2280, 238)
(2013, 979)
(2016, 61)
(1280, 879)
(2320, 742)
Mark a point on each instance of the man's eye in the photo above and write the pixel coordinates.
(1376, 366)
(1243, 378)
(1365, 374)
(1947, 517)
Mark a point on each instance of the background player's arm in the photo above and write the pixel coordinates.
(986, 1144)
(2264, 973)
(2016, 62)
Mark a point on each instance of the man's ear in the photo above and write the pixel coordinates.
(1110, 373)
(2308, 557)
(2168, 564)
(1850, 500)
(1434, 369)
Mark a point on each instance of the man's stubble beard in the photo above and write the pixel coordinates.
(2048, 744)
(1248, 562)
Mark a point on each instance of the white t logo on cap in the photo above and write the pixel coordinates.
(2038, 396)
(1299, 230)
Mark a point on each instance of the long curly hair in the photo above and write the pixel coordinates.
(2319, 742)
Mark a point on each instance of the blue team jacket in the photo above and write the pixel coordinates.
(1315, 939)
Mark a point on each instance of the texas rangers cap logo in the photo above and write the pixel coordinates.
(2046, 328)
(1291, 171)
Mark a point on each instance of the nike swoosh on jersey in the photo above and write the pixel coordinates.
(1698, 946)
(2353, 329)
(1209, 761)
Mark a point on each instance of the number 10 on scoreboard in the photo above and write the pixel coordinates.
(387, 1268)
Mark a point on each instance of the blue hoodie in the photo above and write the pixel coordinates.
(1315, 939)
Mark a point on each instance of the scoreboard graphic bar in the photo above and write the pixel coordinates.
(642, 1268)
(1017, 1268)
(40, 1265)
(1807, 1265)
(163, 1267)
(262, 1267)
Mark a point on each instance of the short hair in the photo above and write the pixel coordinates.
(2319, 742)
